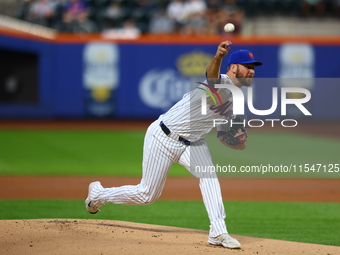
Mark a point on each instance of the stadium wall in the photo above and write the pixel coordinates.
(74, 76)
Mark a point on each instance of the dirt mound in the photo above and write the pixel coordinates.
(71, 236)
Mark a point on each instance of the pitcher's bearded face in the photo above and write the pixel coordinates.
(245, 73)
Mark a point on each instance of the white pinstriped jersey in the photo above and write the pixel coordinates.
(185, 117)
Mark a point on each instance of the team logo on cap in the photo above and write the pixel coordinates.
(251, 55)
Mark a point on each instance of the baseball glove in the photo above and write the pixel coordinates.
(237, 132)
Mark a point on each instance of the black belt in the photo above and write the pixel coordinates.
(167, 132)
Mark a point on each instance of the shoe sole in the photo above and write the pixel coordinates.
(87, 202)
(226, 246)
(232, 247)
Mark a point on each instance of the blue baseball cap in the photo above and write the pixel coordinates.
(243, 57)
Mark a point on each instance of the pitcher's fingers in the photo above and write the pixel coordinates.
(226, 43)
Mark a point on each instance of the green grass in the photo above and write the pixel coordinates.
(281, 149)
(301, 222)
(99, 153)
(95, 153)
(72, 153)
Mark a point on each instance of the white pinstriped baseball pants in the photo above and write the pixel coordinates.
(159, 152)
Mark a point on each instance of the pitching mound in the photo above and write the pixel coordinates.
(70, 236)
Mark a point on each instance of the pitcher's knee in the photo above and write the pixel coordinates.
(148, 198)
(147, 194)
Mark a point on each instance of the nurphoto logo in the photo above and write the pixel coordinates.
(239, 104)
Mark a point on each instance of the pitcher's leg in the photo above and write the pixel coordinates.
(211, 193)
(157, 160)
(197, 160)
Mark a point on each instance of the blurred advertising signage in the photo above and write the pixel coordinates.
(101, 78)
(161, 88)
(296, 69)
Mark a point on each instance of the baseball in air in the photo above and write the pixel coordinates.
(229, 28)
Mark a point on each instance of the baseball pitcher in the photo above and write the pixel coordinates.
(177, 136)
